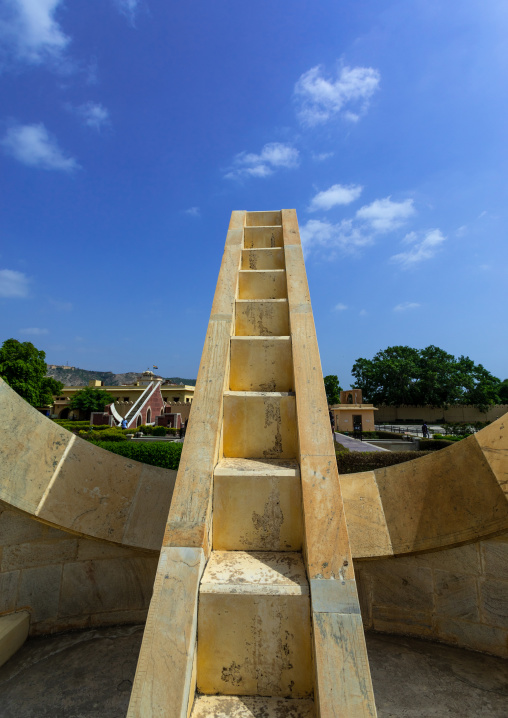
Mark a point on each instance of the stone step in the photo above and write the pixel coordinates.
(264, 258)
(260, 237)
(261, 364)
(13, 633)
(252, 707)
(262, 284)
(261, 317)
(263, 219)
(259, 425)
(257, 505)
(254, 626)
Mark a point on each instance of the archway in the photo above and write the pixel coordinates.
(149, 416)
(64, 414)
(138, 422)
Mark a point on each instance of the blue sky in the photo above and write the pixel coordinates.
(130, 129)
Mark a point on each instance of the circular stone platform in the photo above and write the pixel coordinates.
(89, 674)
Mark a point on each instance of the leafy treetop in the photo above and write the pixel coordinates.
(403, 375)
(332, 388)
(91, 399)
(23, 367)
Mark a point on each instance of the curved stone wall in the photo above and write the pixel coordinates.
(63, 480)
(66, 581)
(457, 596)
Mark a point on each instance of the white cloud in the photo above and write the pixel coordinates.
(274, 155)
(422, 248)
(383, 215)
(461, 231)
(33, 331)
(319, 234)
(128, 8)
(93, 115)
(193, 211)
(29, 30)
(320, 98)
(340, 307)
(13, 284)
(405, 306)
(322, 156)
(34, 146)
(334, 195)
(363, 312)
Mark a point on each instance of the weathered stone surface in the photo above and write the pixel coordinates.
(456, 595)
(247, 707)
(495, 557)
(88, 549)
(163, 683)
(8, 590)
(39, 591)
(16, 528)
(399, 620)
(402, 586)
(13, 633)
(342, 662)
(43, 553)
(477, 636)
(107, 585)
(494, 601)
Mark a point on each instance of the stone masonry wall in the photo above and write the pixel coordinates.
(433, 414)
(69, 582)
(458, 596)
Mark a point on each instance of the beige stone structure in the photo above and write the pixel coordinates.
(272, 622)
(434, 414)
(125, 395)
(254, 593)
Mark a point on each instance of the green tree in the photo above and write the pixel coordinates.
(50, 388)
(91, 399)
(390, 377)
(23, 367)
(332, 389)
(403, 375)
(503, 392)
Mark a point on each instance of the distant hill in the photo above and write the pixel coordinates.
(80, 377)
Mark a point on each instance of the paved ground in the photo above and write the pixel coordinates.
(89, 675)
(355, 444)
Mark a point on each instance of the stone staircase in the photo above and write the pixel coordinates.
(255, 610)
(254, 631)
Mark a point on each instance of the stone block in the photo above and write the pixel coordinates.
(363, 584)
(401, 585)
(41, 553)
(495, 558)
(456, 595)
(13, 633)
(8, 590)
(494, 601)
(463, 560)
(16, 528)
(398, 620)
(107, 585)
(88, 549)
(39, 591)
(476, 636)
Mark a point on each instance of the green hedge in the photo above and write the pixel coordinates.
(354, 461)
(161, 453)
(109, 434)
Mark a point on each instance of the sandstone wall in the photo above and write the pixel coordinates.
(458, 596)
(433, 414)
(68, 582)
